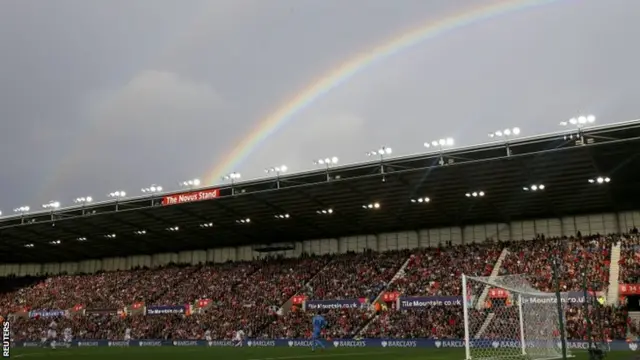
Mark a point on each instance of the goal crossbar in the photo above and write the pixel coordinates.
(529, 291)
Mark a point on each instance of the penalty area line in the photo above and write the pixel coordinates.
(317, 355)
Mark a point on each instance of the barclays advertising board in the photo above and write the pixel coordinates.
(618, 345)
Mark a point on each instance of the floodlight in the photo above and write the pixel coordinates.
(382, 151)
(173, 228)
(232, 176)
(534, 187)
(579, 121)
(22, 209)
(206, 225)
(371, 206)
(475, 194)
(110, 236)
(152, 189)
(243, 221)
(188, 183)
(82, 239)
(276, 169)
(117, 194)
(326, 161)
(600, 180)
(440, 143)
(325, 211)
(505, 133)
(140, 232)
(28, 245)
(423, 200)
(51, 205)
(55, 242)
(83, 200)
(282, 216)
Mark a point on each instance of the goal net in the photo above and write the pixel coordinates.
(506, 318)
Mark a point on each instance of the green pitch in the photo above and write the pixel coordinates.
(200, 353)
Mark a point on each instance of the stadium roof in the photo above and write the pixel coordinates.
(563, 163)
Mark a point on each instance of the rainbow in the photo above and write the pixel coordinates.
(339, 75)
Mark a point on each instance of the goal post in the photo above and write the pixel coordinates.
(506, 318)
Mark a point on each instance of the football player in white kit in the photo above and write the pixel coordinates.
(52, 334)
(68, 336)
(127, 334)
(239, 337)
(207, 337)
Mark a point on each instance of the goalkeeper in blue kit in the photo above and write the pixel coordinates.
(318, 323)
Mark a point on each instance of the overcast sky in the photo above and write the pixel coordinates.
(102, 95)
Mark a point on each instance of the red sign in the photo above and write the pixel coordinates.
(390, 296)
(203, 302)
(498, 294)
(190, 197)
(629, 289)
(299, 299)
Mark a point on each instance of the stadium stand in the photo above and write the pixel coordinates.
(239, 286)
(278, 279)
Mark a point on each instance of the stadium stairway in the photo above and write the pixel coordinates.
(614, 275)
(400, 273)
(494, 273)
(286, 307)
(485, 325)
(485, 292)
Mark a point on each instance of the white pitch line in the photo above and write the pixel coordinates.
(41, 353)
(317, 355)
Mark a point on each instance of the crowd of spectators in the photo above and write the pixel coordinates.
(103, 290)
(608, 322)
(630, 259)
(356, 275)
(249, 295)
(437, 272)
(580, 257)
